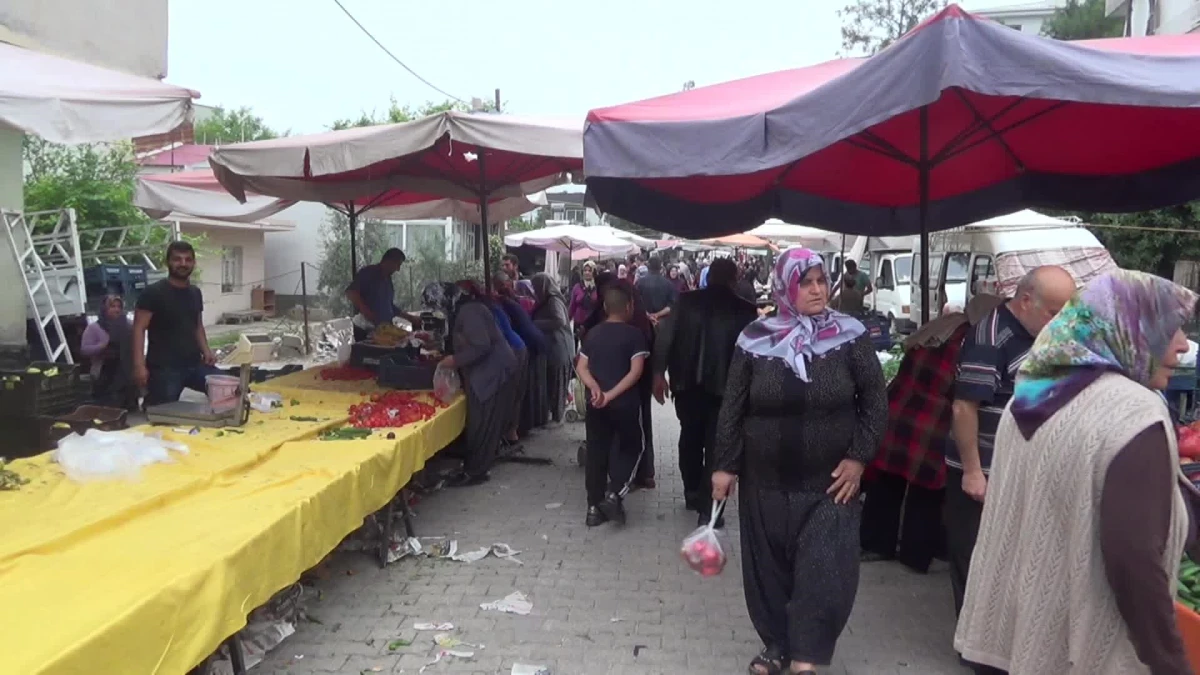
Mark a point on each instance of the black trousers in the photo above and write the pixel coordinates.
(697, 412)
(645, 390)
(614, 442)
(962, 516)
(902, 521)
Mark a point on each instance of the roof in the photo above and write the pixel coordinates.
(183, 155)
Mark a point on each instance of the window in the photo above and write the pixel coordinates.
(886, 278)
(903, 268)
(865, 265)
(956, 267)
(231, 269)
(982, 273)
(935, 269)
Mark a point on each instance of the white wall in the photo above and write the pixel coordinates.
(285, 250)
(128, 35)
(208, 268)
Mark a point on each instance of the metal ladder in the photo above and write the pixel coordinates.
(39, 298)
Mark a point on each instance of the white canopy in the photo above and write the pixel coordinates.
(1024, 218)
(437, 155)
(642, 242)
(197, 193)
(65, 101)
(776, 230)
(570, 238)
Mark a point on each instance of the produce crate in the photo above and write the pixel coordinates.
(367, 355)
(399, 371)
(54, 388)
(1189, 628)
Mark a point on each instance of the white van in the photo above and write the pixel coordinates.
(992, 255)
(890, 272)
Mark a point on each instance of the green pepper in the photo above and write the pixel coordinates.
(303, 418)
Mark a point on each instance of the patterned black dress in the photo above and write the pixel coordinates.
(783, 438)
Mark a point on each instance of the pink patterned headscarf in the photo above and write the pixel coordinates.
(790, 335)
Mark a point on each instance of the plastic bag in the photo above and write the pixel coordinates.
(446, 383)
(111, 454)
(702, 549)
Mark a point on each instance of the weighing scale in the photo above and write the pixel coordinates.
(251, 348)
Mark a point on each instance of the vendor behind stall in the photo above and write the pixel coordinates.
(169, 314)
(374, 296)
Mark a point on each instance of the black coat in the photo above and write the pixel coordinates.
(695, 342)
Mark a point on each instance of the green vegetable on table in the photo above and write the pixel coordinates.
(346, 434)
(1188, 590)
(9, 479)
(303, 418)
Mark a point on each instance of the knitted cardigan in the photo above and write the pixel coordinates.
(1037, 601)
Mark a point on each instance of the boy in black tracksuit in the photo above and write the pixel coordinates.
(611, 362)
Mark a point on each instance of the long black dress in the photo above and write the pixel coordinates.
(784, 437)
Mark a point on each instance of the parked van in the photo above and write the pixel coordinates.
(992, 255)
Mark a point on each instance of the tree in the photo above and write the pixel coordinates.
(233, 126)
(869, 26)
(95, 180)
(397, 113)
(1083, 20)
(335, 272)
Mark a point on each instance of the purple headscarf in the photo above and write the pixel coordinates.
(790, 335)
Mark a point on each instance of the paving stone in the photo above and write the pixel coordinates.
(579, 579)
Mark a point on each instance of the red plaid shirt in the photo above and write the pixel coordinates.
(920, 412)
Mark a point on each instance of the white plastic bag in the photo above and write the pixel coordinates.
(111, 454)
(702, 549)
(446, 383)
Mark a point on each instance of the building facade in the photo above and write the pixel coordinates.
(1026, 17)
(1157, 17)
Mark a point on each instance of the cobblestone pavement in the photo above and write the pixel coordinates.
(605, 600)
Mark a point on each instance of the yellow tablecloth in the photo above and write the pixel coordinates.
(150, 576)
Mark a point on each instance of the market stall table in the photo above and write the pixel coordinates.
(151, 575)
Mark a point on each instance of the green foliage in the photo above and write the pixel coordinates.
(335, 273)
(233, 126)
(427, 263)
(95, 180)
(397, 113)
(869, 26)
(1083, 20)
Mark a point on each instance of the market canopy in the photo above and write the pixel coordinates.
(959, 120)
(571, 238)
(197, 193)
(66, 101)
(777, 231)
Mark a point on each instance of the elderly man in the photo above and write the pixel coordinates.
(987, 368)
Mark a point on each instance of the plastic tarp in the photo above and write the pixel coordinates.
(452, 154)
(197, 193)
(150, 576)
(571, 238)
(66, 101)
(989, 119)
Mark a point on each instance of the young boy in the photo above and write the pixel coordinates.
(610, 364)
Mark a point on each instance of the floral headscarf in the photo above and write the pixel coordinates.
(622, 271)
(1119, 322)
(589, 284)
(790, 335)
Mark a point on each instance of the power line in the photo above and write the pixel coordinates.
(395, 58)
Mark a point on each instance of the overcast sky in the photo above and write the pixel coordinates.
(301, 64)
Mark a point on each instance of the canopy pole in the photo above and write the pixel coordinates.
(352, 215)
(483, 223)
(923, 211)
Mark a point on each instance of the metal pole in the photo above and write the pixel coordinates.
(497, 100)
(923, 211)
(304, 307)
(353, 239)
(483, 218)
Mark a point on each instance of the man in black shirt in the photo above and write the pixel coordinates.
(610, 364)
(170, 312)
(992, 352)
(658, 293)
(694, 346)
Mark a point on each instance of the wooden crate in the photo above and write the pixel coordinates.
(263, 299)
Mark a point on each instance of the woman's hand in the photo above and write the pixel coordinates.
(447, 362)
(846, 478)
(723, 483)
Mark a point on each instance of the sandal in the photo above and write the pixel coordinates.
(768, 662)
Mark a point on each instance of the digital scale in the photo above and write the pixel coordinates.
(250, 349)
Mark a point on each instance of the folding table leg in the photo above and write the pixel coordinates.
(236, 656)
(407, 514)
(385, 532)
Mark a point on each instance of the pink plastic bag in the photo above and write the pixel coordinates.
(702, 549)
(446, 384)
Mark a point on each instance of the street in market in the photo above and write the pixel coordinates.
(605, 601)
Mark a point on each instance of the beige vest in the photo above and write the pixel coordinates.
(1037, 599)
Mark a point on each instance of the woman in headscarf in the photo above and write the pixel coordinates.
(622, 271)
(535, 345)
(550, 315)
(1087, 513)
(525, 295)
(107, 343)
(641, 273)
(583, 299)
(486, 363)
(803, 411)
(676, 279)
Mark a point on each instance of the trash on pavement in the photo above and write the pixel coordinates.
(526, 669)
(554, 505)
(448, 641)
(441, 626)
(443, 653)
(513, 603)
